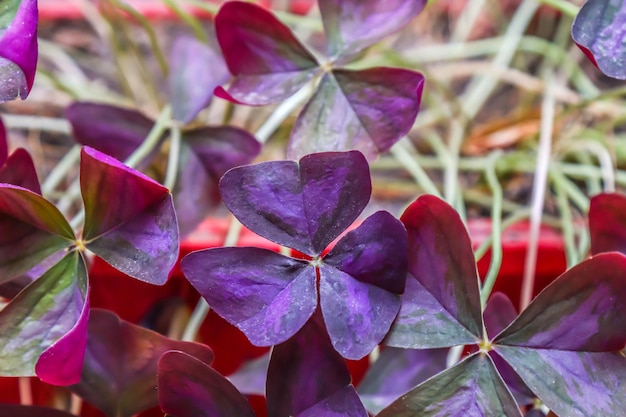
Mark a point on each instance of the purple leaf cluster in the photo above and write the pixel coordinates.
(367, 110)
(305, 206)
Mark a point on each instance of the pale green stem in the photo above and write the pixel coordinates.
(567, 226)
(451, 173)
(41, 123)
(467, 20)
(580, 200)
(191, 21)
(403, 151)
(516, 217)
(539, 189)
(67, 163)
(496, 230)
(152, 139)
(173, 156)
(563, 6)
(604, 158)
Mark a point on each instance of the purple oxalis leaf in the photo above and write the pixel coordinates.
(470, 388)
(351, 25)
(304, 205)
(250, 378)
(304, 370)
(368, 110)
(572, 384)
(31, 229)
(607, 223)
(18, 48)
(396, 371)
(599, 31)
(446, 292)
(136, 230)
(4, 146)
(195, 71)
(42, 330)
(120, 366)
(116, 131)
(582, 310)
(343, 403)
(206, 154)
(189, 387)
(14, 410)
(267, 296)
(268, 62)
(19, 169)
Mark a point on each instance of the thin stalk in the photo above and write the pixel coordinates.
(539, 190)
(604, 158)
(514, 218)
(173, 157)
(567, 226)
(404, 154)
(152, 139)
(467, 20)
(563, 6)
(41, 123)
(579, 198)
(191, 21)
(60, 171)
(496, 230)
(451, 173)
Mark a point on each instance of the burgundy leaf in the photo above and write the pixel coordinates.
(598, 30)
(357, 314)
(120, 367)
(268, 62)
(4, 146)
(395, 372)
(136, 230)
(302, 206)
(115, 131)
(572, 384)
(304, 371)
(344, 403)
(19, 169)
(42, 329)
(352, 25)
(267, 296)
(31, 229)
(189, 387)
(18, 48)
(582, 310)
(195, 70)
(14, 410)
(470, 388)
(368, 110)
(206, 154)
(607, 223)
(442, 260)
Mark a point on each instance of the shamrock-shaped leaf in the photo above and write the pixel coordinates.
(120, 366)
(136, 231)
(367, 110)
(375, 112)
(18, 48)
(607, 223)
(351, 26)
(598, 31)
(303, 371)
(189, 387)
(470, 388)
(195, 70)
(343, 403)
(305, 206)
(43, 329)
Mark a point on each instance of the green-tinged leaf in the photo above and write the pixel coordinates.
(42, 314)
(572, 384)
(31, 229)
(470, 388)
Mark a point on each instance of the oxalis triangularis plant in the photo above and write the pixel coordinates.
(409, 285)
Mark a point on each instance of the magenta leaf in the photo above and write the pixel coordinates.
(268, 62)
(116, 131)
(470, 388)
(267, 296)
(368, 110)
(572, 384)
(14, 410)
(443, 307)
(598, 30)
(395, 372)
(19, 169)
(189, 387)
(304, 371)
(281, 200)
(582, 310)
(352, 25)
(195, 70)
(206, 154)
(120, 367)
(42, 329)
(607, 223)
(31, 229)
(136, 230)
(18, 48)
(343, 403)
(4, 146)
